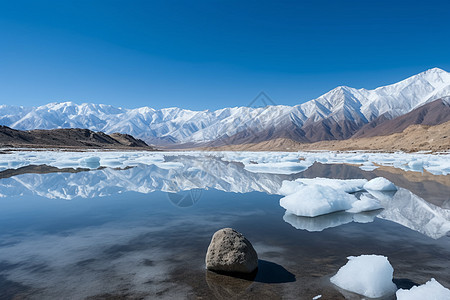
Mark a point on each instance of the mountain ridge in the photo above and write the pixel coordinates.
(337, 114)
(74, 138)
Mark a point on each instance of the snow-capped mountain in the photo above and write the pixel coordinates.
(334, 115)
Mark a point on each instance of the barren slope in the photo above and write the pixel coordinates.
(433, 113)
(413, 138)
(68, 138)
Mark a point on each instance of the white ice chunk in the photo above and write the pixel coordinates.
(366, 203)
(170, 165)
(368, 167)
(365, 217)
(380, 184)
(346, 185)
(316, 200)
(368, 275)
(289, 187)
(432, 290)
(276, 168)
(416, 165)
(92, 162)
(383, 197)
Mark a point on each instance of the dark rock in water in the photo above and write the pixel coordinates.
(230, 252)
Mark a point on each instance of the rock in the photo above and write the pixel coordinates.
(230, 252)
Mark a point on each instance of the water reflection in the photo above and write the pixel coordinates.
(227, 287)
(185, 183)
(237, 286)
(185, 199)
(323, 222)
(198, 173)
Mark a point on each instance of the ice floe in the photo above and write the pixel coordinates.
(276, 168)
(432, 290)
(366, 203)
(320, 196)
(368, 275)
(437, 164)
(89, 159)
(315, 200)
(92, 162)
(380, 184)
(257, 162)
(346, 185)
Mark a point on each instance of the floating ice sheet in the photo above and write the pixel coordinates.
(366, 203)
(261, 162)
(380, 184)
(346, 185)
(437, 164)
(311, 197)
(315, 200)
(276, 168)
(368, 275)
(432, 290)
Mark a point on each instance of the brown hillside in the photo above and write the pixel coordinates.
(433, 113)
(414, 138)
(68, 138)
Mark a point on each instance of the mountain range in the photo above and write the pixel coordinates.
(341, 113)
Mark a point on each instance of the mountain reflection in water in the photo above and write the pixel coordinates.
(190, 175)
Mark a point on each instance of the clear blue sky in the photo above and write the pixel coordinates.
(212, 54)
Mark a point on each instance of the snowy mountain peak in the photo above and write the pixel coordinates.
(176, 125)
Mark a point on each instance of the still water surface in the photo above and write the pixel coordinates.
(143, 233)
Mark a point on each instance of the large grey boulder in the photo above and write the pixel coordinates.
(230, 252)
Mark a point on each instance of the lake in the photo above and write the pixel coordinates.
(142, 231)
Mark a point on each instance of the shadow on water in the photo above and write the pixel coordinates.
(404, 283)
(237, 286)
(269, 272)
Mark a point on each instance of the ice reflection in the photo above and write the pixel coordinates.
(185, 183)
(402, 207)
(323, 222)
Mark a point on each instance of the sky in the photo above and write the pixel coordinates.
(210, 54)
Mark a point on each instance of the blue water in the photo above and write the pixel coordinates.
(134, 245)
